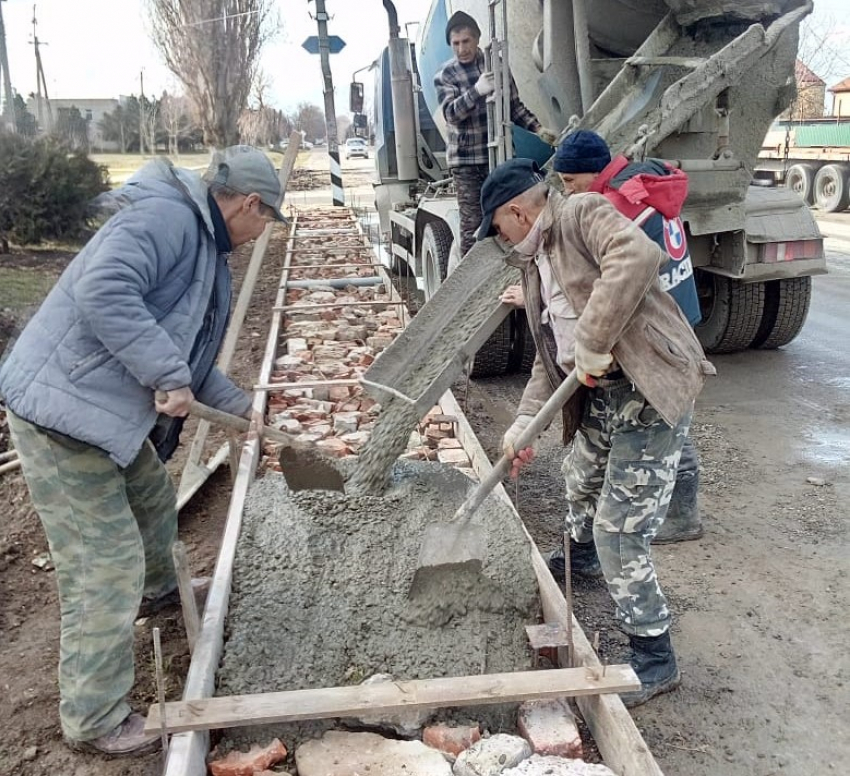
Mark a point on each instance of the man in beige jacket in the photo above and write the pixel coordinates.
(594, 302)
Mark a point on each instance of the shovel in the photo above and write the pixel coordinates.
(304, 467)
(459, 542)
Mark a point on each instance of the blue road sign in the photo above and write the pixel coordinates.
(335, 44)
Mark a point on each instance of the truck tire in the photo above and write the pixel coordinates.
(786, 305)
(494, 356)
(832, 188)
(801, 178)
(732, 312)
(524, 350)
(436, 247)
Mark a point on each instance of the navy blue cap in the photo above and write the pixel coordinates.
(582, 151)
(508, 180)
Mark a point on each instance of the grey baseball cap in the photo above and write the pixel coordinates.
(247, 170)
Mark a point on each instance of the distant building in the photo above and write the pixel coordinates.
(91, 109)
(841, 99)
(811, 95)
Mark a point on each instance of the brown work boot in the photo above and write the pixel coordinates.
(200, 587)
(125, 740)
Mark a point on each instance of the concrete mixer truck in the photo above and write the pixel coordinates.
(696, 83)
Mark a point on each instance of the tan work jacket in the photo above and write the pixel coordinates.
(608, 270)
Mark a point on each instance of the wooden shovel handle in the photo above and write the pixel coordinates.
(219, 418)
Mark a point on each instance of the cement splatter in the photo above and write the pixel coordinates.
(321, 593)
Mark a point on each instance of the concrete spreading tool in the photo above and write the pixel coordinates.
(459, 543)
(304, 467)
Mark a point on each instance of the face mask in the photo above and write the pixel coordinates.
(530, 244)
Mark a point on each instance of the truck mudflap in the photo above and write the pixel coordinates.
(757, 295)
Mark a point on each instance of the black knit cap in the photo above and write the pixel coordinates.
(582, 151)
(460, 19)
(508, 180)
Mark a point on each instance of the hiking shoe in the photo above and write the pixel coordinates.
(125, 740)
(654, 662)
(200, 587)
(584, 562)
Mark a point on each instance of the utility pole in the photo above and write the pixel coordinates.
(8, 105)
(330, 112)
(40, 80)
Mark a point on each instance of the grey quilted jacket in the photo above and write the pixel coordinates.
(124, 320)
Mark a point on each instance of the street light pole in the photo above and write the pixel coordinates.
(330, 111)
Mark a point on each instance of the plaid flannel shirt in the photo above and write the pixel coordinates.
(465, 112)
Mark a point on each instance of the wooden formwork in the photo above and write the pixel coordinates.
(612, 727)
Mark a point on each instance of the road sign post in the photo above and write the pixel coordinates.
(324, 45)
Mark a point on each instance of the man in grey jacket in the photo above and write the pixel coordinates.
(594, 302)
(96, 388)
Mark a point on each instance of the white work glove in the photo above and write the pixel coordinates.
(547, 135)
(512, 434)
(518, 457)
(590, 363)
(485, 84)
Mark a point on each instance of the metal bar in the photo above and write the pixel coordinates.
(273, 387)
(304, 308)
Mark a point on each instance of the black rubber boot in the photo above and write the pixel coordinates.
(584, 562)
(683, 523)
(654, 661)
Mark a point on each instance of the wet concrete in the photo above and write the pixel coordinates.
(321, 588)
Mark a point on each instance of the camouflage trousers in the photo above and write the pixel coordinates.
(620, 474)
(468, 181)
(110, 532)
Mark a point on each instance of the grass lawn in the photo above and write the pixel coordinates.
(122, 166)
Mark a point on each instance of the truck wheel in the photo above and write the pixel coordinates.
(801, 178)
(494, 356)
(436, 246)
(524, 350)
(832, 188)
(786, 305)
(732, 312)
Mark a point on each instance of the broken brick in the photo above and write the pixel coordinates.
(550, 728)
(248, 763)
(450, 740)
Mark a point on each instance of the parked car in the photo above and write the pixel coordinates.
(356, 146)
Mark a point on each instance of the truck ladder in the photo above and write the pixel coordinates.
(500, 145)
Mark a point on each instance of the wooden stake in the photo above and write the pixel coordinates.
(568, 595)
(187, 596)
(160, 695)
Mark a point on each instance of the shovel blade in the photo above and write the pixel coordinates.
(446, 544)
(309, 470)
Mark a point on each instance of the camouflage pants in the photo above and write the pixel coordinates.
(468, 181)
(620, 473)
(110, 532)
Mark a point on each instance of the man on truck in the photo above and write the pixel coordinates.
(463, 85)
(594, 302)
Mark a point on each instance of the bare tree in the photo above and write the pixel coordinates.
(257, 122)
(213, 47)
(820, 62)
(175, 116)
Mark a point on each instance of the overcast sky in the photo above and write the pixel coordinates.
(98, 48)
